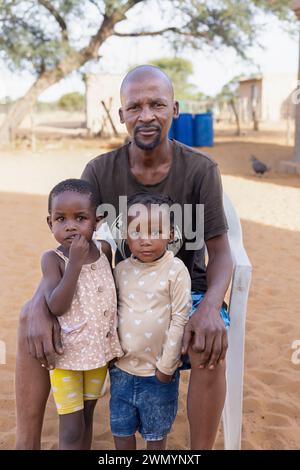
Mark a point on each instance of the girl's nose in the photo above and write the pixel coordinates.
(145, 242)
(70, 227)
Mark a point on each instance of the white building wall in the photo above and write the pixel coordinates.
(273, 98)
(277, 89)
(104, 87)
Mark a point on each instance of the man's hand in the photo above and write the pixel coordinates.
(43, 333)
(206, 334)
(164, 378)
(79, 250)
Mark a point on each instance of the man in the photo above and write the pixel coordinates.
(149, 162)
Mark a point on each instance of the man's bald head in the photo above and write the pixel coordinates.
(145, 73)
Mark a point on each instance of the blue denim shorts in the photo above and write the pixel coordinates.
(197, 298)
(142, 404)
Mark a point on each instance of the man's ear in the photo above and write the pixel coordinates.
(49, 222)
(175, 109)
(121, 116)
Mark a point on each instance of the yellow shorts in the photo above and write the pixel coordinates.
(72, 387)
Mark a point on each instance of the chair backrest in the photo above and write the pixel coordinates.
(241, 279)
(235, 236)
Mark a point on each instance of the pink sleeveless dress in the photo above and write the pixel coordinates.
(89, 327)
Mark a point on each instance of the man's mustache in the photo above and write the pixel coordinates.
(143, 128)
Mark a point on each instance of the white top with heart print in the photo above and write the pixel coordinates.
(154, 301)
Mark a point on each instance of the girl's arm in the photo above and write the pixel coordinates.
(106, 248)
(181, 305)
(60, 289)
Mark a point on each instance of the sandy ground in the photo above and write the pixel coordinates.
(269, 208)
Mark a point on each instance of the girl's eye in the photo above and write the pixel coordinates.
(134, 234)
(60, 219)
(155, 233)
(80, 218)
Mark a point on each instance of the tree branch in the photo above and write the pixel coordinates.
(57, 16)
(111, 18)
(94, 2)
(148, 33)
(171, 29)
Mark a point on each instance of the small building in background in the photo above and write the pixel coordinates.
(102, 104)
(266, 98)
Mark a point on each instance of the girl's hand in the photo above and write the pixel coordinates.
(79, 250)
(164, 378)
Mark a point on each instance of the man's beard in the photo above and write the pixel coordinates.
(149, 145)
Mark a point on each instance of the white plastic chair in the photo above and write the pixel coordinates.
(233, 408)
(232, 413)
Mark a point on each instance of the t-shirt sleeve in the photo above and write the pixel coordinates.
(211, 195)
(89, 174)
(181, 304)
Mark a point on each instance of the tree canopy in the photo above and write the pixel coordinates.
(52, 38)
(39, 34)
(179, 70)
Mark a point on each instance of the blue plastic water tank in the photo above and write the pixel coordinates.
(184, 129)
(203, 130)
(171, 131)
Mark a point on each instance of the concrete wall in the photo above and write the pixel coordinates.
(104, 87)
(250, 95)
(276, 95)
(273, 98)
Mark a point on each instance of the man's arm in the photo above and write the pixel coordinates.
(43, 334)
(206, 326)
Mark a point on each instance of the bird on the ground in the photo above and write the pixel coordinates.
(259, 167)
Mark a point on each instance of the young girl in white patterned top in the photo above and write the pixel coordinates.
(80, 291)
(154, 300)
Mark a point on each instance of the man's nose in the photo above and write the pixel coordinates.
(146, 114)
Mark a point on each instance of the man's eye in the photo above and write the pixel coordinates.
(133, 108)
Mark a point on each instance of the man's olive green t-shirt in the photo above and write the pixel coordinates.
(193, 178)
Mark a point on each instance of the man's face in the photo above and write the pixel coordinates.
(147, 110)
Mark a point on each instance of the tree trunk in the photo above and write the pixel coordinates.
(255, 120)
(19, 110)
(236, 115)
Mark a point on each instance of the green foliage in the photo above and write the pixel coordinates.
(39, 34)
(229, 91)
(31, 37)
(72, 102)
(231, 23)
(179, 70)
